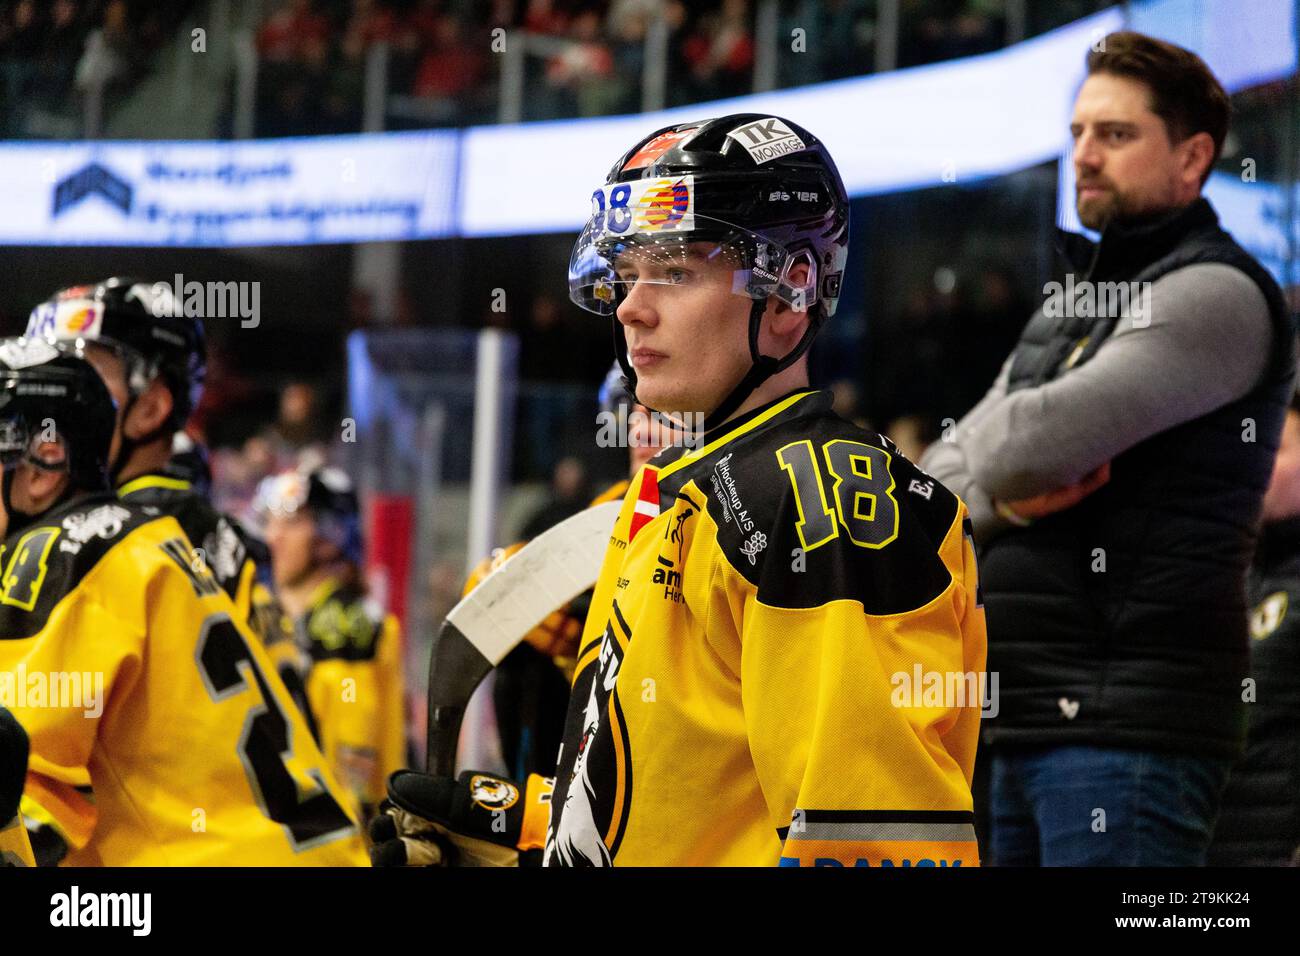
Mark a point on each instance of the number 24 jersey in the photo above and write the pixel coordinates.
(160, 732)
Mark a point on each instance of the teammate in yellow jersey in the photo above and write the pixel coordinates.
(354, 686)
(756, 682)
(153, 358)
(647, 434)
(160, 735)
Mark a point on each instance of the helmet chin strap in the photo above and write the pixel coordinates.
(127, 445)
(140, 373)
(762, 368)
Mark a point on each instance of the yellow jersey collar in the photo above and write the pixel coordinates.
(729, 431)
(152, 481)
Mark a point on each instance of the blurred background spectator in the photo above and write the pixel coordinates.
(444, 66)
(570, 493)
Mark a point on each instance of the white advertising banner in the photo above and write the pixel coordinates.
(249, 193)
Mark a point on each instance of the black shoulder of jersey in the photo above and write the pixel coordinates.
(48, 559)
(14, 750)
(345, 625)
(224, 542)
(257, 549)
(811, 509)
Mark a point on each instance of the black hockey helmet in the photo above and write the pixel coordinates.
(327, 493)
(144, 323)
(763, 190)
(48, 391)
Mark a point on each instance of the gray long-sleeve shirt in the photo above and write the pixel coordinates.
(1202, 341)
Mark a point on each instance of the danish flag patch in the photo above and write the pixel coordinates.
(647, 503)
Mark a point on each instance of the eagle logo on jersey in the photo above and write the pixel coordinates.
(669, 574)
(577, 840)
(492, 794)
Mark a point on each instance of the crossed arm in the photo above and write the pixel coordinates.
(1203, 340)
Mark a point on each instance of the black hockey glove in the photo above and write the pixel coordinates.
(478, 820)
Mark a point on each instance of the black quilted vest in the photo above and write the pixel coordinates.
(1122, 621)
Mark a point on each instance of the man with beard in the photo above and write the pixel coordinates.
(1114, 473)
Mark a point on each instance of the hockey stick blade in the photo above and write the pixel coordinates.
(490, 621)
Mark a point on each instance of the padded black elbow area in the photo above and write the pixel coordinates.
(48, 847)
(13, 764)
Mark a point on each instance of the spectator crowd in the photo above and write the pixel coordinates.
(584, 57)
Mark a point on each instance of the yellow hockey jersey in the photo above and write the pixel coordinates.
(234, 557)
(217, 541)
(756, 678)
(355, 689)
(160, 734)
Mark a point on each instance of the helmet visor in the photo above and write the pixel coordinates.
(648, 232)
(41, 446)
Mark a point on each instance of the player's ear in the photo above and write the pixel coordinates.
(150, 411)
(1198, 156)
(785, 320)
(798, 274)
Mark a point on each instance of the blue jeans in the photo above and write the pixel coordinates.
(1102, 806)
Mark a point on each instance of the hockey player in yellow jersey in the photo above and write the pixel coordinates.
(153, 357)
(354, 683)
(783, 660)
(160, 734)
